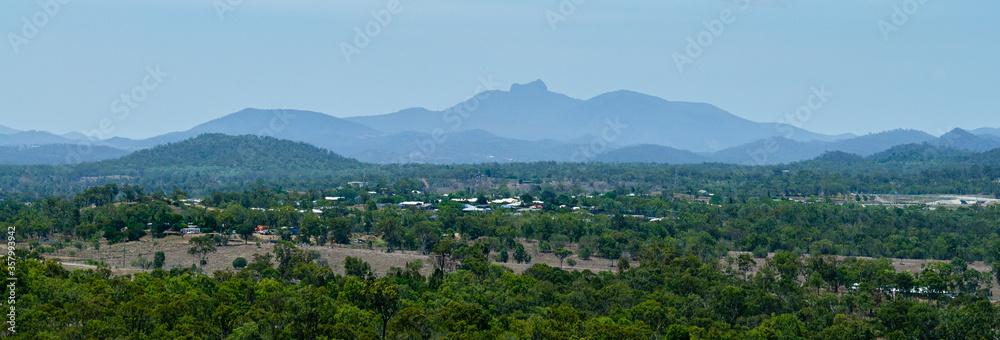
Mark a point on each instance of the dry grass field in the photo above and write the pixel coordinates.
(914, 266)
(175, 249)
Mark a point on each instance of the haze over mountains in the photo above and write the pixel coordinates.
(531, 112)
(526, 123)
(6, 130)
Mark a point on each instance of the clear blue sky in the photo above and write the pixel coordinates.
(938, 71)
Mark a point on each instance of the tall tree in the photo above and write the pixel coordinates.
(562, 254)
(201, 247)
(382, 297)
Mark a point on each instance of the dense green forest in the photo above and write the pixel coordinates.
(673, 278)
(667, 234)
(666, 296)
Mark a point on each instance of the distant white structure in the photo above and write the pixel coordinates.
(946, 202)
(411, 204)
(963, 200)
(508, 201)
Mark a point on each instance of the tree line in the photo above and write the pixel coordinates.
(287, 294)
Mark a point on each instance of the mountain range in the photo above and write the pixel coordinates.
(524, 124)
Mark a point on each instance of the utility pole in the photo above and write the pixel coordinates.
(123, 256)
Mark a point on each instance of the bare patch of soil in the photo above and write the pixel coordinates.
(175, 249)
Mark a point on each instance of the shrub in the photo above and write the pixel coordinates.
(354, 266)
(502, 256)
(142, 262)
(759, 252)
(544, 247)
(158, 260)
(623, 264)
(239, 263)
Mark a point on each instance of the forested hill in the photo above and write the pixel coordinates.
(218, 150)
(213, 161)
(221, 162)
(906, 158)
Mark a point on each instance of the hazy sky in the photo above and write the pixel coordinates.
(68, 70)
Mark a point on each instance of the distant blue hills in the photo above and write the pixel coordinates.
(524, 124)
